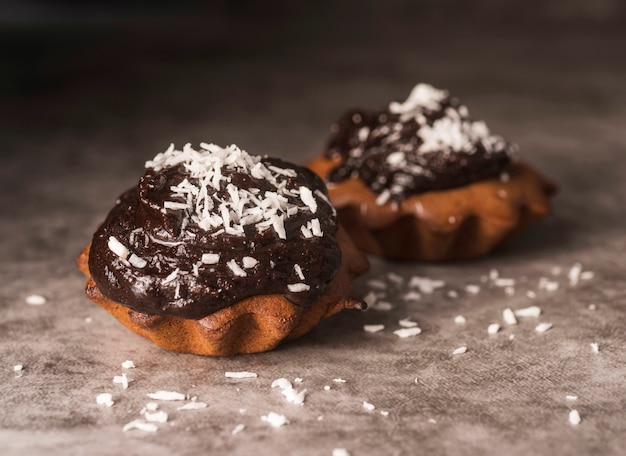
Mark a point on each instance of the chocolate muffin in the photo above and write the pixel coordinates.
(422, 180)
(218, 252)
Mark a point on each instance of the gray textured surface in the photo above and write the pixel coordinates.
(559, 95)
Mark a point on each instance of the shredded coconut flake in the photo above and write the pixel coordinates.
(193, 406)
(117, 247)
(156, 417)
(543, 327)
(242, 374)
(275, 419)
(373, 328)
(460, 320)
(210, 258)
(140, 425)
(237, 429)
(167, 396)
(128, 364)
(407, 332)
(595, 347)
(493, 328)
(36, 300)
(236, 269)
(298, 287)
(574, 417)
(460, 350)
(406, 323)
(105, 399)
(472, 289)
(509, 317)
(340, 452)
(532, 311)
(368, 406)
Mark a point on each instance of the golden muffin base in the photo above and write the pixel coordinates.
(255, 324)
(454, 224)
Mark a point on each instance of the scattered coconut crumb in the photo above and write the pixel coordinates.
(460, 350)
(509, 316)
(432, 420)
(36, 300)
(18, 368)
(531, 294)
(340, 452)
(548, 285)
(326, 387)
(532, 311)
(592, 307)
(159, 416)
(406, 323)
(574, 417)
(460, 320)
(281, 383)
(587, 275)
(105, 399)
(339, 380)
(543, 327)
(502, 282)
(594, 347)
(412, 296)
(368, 406)
(193, 406)
(128, 364)
(373, 328)
(509, 291)
(294, 396)
(122, 379)
(472, 289)
(384, 412)
(150, 406)
(167, 396)
(298, 380)
(452, 294)
(425, 285)
(571, 397)
(242, 374)
(493, 328)
(407, 332)
(141, 425)
(275, 419)
(240, 427)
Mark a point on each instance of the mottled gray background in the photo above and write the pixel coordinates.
(90, 92)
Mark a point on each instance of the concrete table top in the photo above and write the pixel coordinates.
(70, 151)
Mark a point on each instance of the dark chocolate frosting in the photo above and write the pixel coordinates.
(427, 143)
(205, 229)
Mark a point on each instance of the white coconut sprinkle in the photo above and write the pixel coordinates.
(236, 269)
(571, 397)
(502, 282)
(167, 396)
(493, 328)
(452, 294)
(121, 379)
(249, 262)
(316, 228)
(171, 276)
(422, 96)
(592, 307)
(339, 380)
(210, 258)
(472, 289)
(460, 320)
(237, 429)
(307, 198)
(595, 347)
(193, 406)
(275, 419)
(294, 396)
(241, 374)
(299, 272)
(369, 406)
(327, 388)
(531, 294)
(156, 417)
(298, 287)
(460, 350)
(509, 316)
(574, 274)
(406, 323)
(140, 425)
(574, 417)
(531, 311)
(281, 383)
(383, 197)
(18, 368)
(548, 285)
(425, 285)
(117, 247)
(35, 300)
(373, 328)
(543, 327)
(128, 364)
(407, 332)
(340, 452)
(105, 399)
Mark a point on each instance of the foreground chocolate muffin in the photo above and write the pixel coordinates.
(217, 252)
(422, 180)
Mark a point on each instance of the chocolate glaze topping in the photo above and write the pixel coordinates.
(429, 142)
(205, 229)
